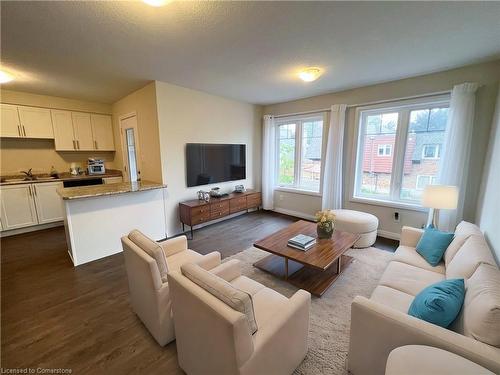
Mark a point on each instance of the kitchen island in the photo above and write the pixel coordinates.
(97, 216)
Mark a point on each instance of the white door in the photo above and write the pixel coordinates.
(82, 127)
(130, 143)
(102, 129)
(36, 122)
(49, 204)
(64, 137)
(10, 125)
(17, 206)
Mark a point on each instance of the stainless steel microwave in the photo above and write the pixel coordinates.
(97, 169)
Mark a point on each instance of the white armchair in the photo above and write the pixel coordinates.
(214, 338)
(149, 294)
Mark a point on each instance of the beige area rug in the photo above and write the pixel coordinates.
(330, 314)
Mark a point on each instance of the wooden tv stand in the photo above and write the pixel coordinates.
(196, 211)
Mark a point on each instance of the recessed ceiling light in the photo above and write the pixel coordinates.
(5, 77)
(157, 3)
(309, 74)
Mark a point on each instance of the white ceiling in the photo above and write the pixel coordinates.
(248, 51)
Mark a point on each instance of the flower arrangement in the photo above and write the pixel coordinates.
(326, 222)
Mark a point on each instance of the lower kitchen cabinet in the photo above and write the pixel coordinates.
(18, 206)
(49, 205)
(26, 205)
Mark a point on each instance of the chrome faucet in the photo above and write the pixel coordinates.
(29, 174)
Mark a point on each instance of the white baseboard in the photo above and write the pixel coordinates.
(387, 234)
(34, 228)
(294, 213)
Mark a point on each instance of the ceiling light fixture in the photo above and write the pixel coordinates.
(5, 77)
(309, 74)
(156, 3)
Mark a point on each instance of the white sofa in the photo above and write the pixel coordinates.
(381, 323)
(212, 337)
(149, 294)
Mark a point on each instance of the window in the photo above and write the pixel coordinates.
(430, 152)
(384, 150)
(423, 181)
(300, 153)
(399, 150)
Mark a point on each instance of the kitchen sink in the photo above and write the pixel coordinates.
(15, 179)
(44, 178)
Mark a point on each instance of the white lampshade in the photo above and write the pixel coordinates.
(440, 196)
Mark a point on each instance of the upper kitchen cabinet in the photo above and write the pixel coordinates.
(102, 129)
(11, 127)
(35, 122)
(82, 127)
(64, 137)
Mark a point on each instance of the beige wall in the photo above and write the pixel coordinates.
(40, 154)
(487, 74)
(489, 201)
(192, 116)
(143, 103)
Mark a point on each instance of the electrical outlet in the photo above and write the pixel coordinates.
(396, 216)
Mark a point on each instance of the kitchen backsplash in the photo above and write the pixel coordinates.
(22, 154)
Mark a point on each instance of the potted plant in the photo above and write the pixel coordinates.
(326, 223)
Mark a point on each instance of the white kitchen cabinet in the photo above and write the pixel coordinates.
(49, 205)
(82, 127)
(10, 125)
(64, 136)
(35, 122)
(102, 130)
(112, 180)
(17, 206)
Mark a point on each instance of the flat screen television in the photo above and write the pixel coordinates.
(208, 163)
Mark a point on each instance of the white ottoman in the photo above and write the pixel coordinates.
(357, 222)
(426, 360)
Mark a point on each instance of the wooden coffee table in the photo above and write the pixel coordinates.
(313, 270)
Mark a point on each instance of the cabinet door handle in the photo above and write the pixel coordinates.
(24, 130)
(77, 144)
(19, 130)
(29, 189)
(95, 145)
(34, 191)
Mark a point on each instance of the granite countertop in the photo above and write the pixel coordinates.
(79, 192)
(64, 176)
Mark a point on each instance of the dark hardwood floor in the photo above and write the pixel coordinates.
(57, 316)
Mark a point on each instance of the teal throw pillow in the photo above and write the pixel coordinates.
(433, 244)
(439, 303)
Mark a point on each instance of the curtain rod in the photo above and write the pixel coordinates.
(367, 103)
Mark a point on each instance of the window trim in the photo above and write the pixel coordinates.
(295, 187)
(434, 101)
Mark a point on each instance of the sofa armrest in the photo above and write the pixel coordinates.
(284, 336)
(229, 270)
(209, 261)
(174, 245)
(377, 329)
(410, 236)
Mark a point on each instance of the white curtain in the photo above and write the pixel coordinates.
(268, 162)
(332, 175)
(456, 149)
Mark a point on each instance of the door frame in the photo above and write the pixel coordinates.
(123, 143)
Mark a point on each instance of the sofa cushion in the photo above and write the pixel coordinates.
(467, 229)
(235, 298)
(471, 254)
(433, 244)
(439, 303)
(153, 249)
(267, 304)
(480, 316)
(392, 298)
(175, 261)
(408, 279)
(409, 255)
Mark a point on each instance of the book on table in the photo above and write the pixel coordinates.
(301, 242)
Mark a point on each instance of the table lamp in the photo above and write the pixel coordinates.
(438, 197)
